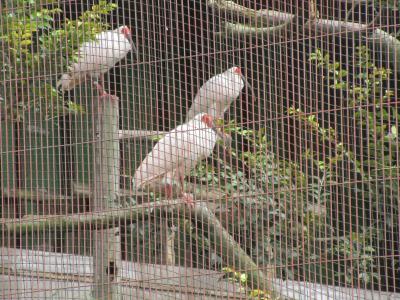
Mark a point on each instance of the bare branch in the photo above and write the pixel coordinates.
(140, 134)
(313, 10)
(231, 28)
(277, 22)
(259, 19)
(230, 7)
(388, 45)
(335, 27)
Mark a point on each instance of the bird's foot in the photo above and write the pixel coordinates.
(100, 89)
(103, 93)
(224, 137)
(227, 140)
(168, 190)
(188, 199)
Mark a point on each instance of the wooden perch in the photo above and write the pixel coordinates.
(106, 242)
(95, 220)
(273, 22)
(232, 253)
(139, 134)
(102, 220)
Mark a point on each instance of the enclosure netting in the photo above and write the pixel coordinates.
(210, 149)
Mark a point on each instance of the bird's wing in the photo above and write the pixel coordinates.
(203, 101)
(214, 97)
(102, 53)
(166, 156)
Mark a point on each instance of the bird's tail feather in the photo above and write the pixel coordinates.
(68, 82)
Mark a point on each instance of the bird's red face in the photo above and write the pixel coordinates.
(126, 31)
(237, 70)
(208, 120)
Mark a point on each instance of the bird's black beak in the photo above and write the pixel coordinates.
(248, 85)
(217, 131)
(134, 49)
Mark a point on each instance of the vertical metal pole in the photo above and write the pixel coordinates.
(106, 245)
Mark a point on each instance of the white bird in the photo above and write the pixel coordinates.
(217, 94)
(98, 56)
(176, 154)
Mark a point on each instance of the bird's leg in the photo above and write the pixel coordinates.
(102, 93)
(225, 137)
(227, 140)
(100, 90)
(168, 190)
(99, 84)
(186, 197)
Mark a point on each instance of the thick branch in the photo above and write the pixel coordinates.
(335, 27)
(94, 220)
(231, 252)
(230, 7)
(232, 28)
(389, 45)
(259, 19)
(216, 232)
(278, 20)
(265, 21)
(107, 218)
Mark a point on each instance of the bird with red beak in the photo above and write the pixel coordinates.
(176, 154)
(97, 57)
(217, 94)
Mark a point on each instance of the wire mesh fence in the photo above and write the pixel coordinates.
(199, 149)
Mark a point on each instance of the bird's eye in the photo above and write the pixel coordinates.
(207, 119)
(237, 71)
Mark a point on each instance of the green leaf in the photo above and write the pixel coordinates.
(394, 131)
(25, 43)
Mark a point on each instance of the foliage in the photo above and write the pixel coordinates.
(241, 278)
(269, 211)
(292, 215)
(37, 44)
(371, 163)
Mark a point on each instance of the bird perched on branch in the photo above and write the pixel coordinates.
(217, 94)
(177, 153)
(97, 57)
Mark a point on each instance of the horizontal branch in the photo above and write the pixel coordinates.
(263, 21)
(273, 22)
(232, 8)
(99, 220)
(389, 45)
(94, 220)
(140, 134)
(217, 233)
(232, 28)
(335, 27)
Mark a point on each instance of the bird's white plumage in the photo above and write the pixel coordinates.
(216, 95)
(97, 57)
(179, 150)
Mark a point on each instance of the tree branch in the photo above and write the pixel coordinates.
(259, 19)
(94, 220)
(217, 233)
(139, 134)
(231, 252)
(389, 45)
(232, 28)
